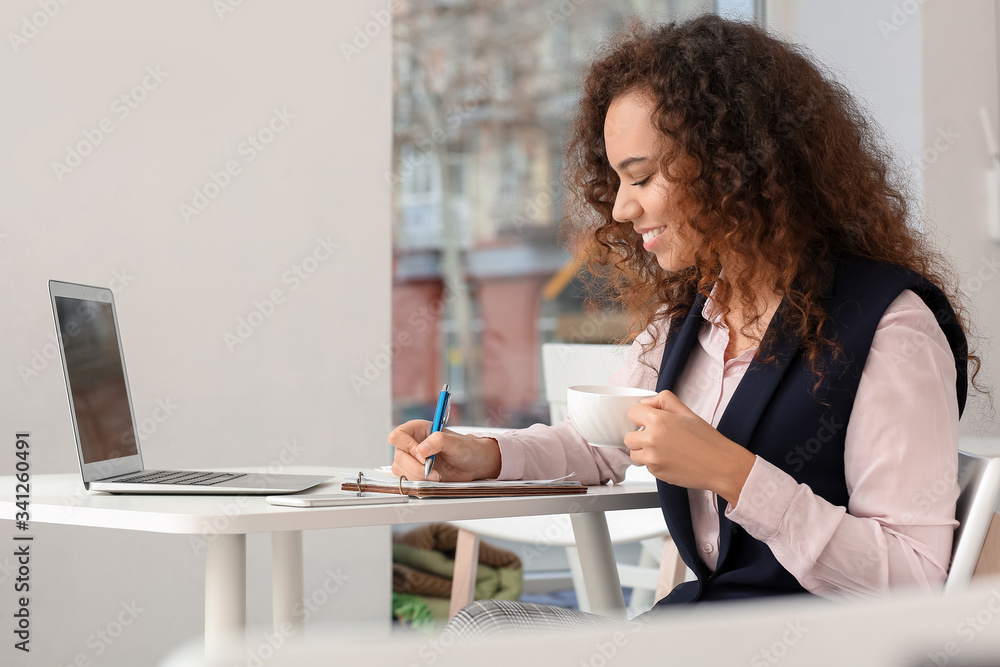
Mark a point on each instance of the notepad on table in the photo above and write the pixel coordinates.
(481, 488)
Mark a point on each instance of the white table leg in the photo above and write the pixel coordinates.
(225, 591)
(597, 560)
(286, 579)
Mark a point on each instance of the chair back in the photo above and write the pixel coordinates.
(568, 364)
(979, 481)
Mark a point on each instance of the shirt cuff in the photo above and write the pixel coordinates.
(511, 456)
(765, 498)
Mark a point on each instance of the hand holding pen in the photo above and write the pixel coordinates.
(465, 457)
(440, 419)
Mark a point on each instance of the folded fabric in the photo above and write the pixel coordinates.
(424, 564)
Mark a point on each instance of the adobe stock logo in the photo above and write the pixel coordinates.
(793, 633)
(31, 25)
(248, 149)
(264, 309)
(381, 20)
(830, 425)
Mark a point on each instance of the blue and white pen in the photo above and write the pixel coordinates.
(440, 418)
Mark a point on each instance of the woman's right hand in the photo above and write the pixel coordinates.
(460, 458)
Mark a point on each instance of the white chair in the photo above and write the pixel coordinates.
(565, 365)
(976, 551)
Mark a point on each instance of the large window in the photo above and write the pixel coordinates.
(484, 93)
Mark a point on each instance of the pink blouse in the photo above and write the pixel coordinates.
(900, 462)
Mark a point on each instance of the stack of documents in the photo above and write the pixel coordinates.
(481, 488)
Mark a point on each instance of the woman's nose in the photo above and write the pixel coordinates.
(626, 208)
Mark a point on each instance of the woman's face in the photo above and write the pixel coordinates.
(645, 197)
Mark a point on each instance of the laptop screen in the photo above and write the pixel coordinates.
(96, 379)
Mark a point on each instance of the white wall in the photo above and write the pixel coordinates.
(881, 67)
(924, 69)
(960, 75)
(282, 394)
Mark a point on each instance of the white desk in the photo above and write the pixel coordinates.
(225, 522)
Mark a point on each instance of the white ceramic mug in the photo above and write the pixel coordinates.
(600, 412)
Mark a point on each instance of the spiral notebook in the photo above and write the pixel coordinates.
(478, 489)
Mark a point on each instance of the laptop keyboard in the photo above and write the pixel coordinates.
(186, 477)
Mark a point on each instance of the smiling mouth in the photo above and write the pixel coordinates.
(649, 238)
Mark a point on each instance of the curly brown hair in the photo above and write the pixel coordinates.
(788, 172)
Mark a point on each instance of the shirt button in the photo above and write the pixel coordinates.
(707, 548)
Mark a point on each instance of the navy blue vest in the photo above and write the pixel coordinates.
(775, 414)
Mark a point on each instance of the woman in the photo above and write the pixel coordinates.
(810, 368)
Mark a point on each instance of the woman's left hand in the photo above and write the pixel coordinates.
(681, 448)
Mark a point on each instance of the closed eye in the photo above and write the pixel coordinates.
(642, 182)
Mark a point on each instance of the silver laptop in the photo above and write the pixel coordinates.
(101, 406)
